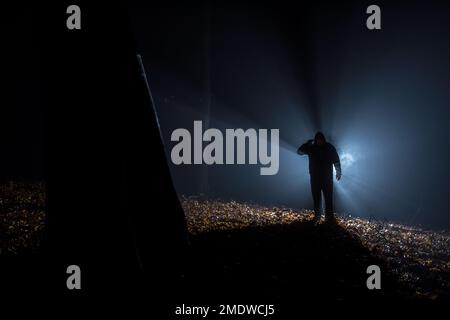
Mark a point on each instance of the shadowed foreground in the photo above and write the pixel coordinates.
(285, 265)
(244, 253)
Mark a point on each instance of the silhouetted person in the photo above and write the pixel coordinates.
(322, 156)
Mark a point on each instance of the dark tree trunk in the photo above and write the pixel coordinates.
(112, 208)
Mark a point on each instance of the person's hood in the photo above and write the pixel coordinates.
(319, 135)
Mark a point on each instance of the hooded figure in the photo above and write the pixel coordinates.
(322, 156)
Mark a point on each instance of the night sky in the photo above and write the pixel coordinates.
(381, 97)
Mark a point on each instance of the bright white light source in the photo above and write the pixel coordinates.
(347, 160)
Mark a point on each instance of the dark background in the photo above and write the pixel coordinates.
(379, 96)
(22, 112)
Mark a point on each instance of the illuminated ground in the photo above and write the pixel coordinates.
(266, 252)
(419, 258)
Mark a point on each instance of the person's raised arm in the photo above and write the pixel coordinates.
(305, 148)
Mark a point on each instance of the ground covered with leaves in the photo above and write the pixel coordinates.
(265, 252)
(419, 258)
(22, 215)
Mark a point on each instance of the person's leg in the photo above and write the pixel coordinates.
(328, 195)
(317, 197)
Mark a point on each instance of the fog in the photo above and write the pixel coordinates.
(381, 97)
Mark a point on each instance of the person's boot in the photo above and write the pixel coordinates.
(316, 219)
(330, 218)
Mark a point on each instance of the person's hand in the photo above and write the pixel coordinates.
(338, 176)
